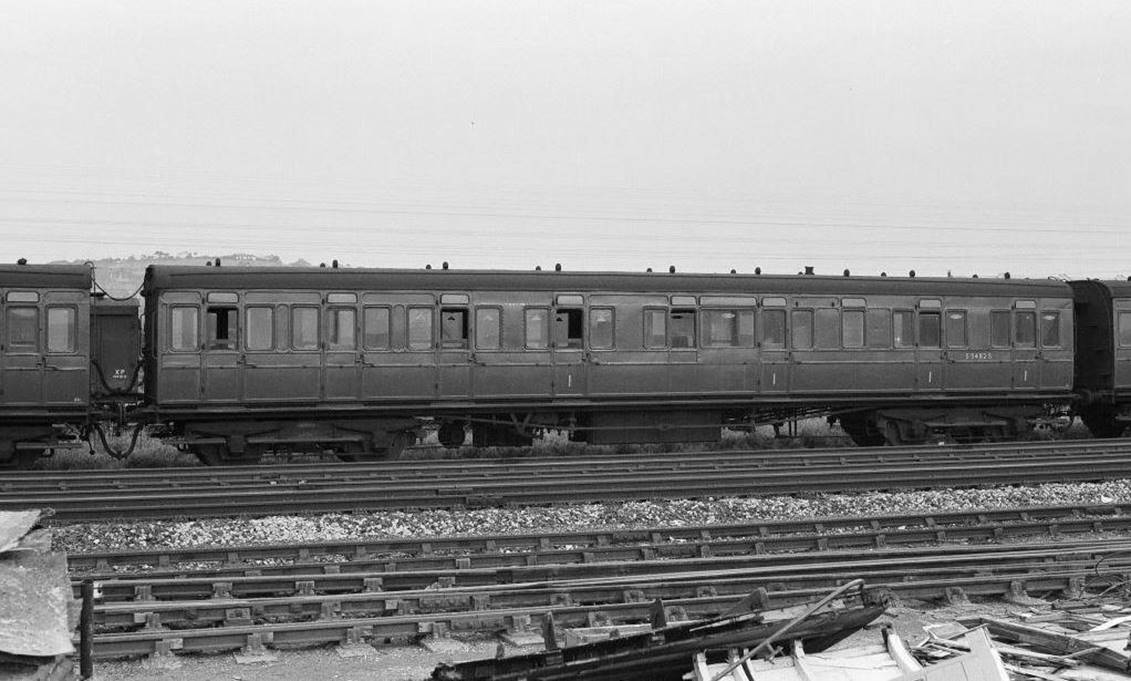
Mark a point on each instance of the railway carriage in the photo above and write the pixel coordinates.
(244, 360)
(1103, 358)
(44, 356)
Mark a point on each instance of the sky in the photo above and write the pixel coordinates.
(889, 135)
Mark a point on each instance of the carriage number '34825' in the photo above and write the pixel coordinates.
(979, 355)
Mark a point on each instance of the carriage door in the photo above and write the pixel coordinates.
(773, 354)
(342, 375)
(222, 358)
(23, 363)
(1025, 365)
(453, 359)
(66, 359)
(568, 346)
(929, 346)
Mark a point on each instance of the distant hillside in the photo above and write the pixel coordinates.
(123, 276)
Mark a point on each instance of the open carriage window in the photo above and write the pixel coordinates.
(222, 324)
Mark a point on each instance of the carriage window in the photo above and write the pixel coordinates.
(802, 323)
(878, 323)
(419, 328)
(1050, 329)
(260, 328)
(903, 328)
(682, 328)
(453, 327)
(343, 326)
(222, 324)
(304, 328)
(1125, 329)
(60, 329)
(1026, 329)
(999, 329)
(601, 328)
(183, 329)
(376, 328)
(655, 328)
(23, 329)
(828, 329)
(956, 328)
(537, 328)
(852, 328)
(930, 330)
(720, 328)
(568, 328)
(773, 328)
(488, 328)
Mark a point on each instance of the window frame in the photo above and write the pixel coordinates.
(415, 346)
(950, 343)
(651, 313)
(1055, 326)
(172, 344)
(995, 343)
(231, 343)
(526, 319)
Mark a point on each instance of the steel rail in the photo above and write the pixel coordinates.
(586, 486)
(395, 471)
(461, 552)
(775, 567)
(334, 625)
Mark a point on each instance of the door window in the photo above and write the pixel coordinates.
(537, 328)
(655, 328)
(376, 328)
(801, 323)
(1025, 329)
(343, 325)
(929, 330)
(568, 328)
(222, 326)
(60, 329)
(682, 334)
(1050, 329)
(773, 328)
(999, 329)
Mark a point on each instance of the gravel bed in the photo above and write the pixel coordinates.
(110, 536)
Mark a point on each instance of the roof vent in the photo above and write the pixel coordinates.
(21, 261)
(322, 265)
(444, 265)
(1007, 275)
(557, 267)
(671, 269)
(537, 268)
(334, 263)
(648, 270)
(911, 274)
(733, 271)
(217, 262)
(428, 266)
(883, 274)
(847, 273)
(757, 270)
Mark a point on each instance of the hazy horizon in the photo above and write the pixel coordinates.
(875, 136)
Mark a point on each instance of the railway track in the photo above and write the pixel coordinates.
(142, 615)
(313, 488)
(494, 551)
